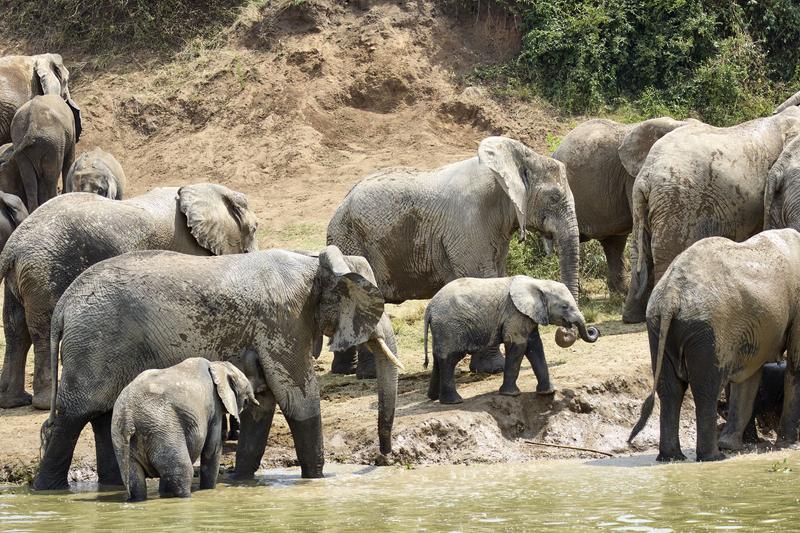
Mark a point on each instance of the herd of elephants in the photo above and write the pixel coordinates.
(165, 318)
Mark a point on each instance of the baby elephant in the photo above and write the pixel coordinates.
(471, 314)
(165, 419)
(96, 172)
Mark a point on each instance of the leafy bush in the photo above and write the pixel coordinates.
(529, 258)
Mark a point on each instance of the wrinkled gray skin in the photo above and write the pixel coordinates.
(700, 181)
(164, 420)
(96, 172)
(162, 307)
(422, 229)
(74, 231)
(720, 312)
(470, 314)
(22, 78)
(601, 186)
(782, 193)
(43, 135)
(12, 213)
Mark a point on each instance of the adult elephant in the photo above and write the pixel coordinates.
(43, 132)
(699, 181)
(65, 236)
(422, 229)
(601, 185)
(22, 78)
(98, 172)
(793, 100)
(721, 311)
(161, 308)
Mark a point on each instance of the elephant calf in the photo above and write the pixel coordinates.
(722, 310)
(471, 314)
(768, 405)
(165, 419)
(96, 172)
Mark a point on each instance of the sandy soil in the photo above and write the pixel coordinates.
(298, 103)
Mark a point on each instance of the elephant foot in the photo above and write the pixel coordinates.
(343, 367)
(366, 367)
(40, 482)
(18, 399)
(731, 443)
(242, 476)
(670, 457)
(313, 472)
(509, 390)
(633, 317)
(494, 364)
(545, 389)
(711, 457)
(433, 395)
(450, 398)
(233, 434)
(41, 400)
(785, 443)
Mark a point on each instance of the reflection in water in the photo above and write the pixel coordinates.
(619, 495)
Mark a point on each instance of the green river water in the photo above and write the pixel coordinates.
(753, 492)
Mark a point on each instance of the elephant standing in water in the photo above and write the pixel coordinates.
(22, 78)
(96, 172)
(74, 231)
(44, 132)
(720, 312)
(152, 309)
(422, 229)
(601, 185)
(700, 181)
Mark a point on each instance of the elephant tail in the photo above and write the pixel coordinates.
(56, 330)
(427, 325)
(649, 403)
(122, 430)
(640, 214)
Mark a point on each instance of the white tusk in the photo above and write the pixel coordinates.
(389, 355)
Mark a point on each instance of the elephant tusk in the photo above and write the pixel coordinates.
(389, 355)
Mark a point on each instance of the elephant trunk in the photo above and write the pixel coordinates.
(569, 253)
(386, 369)
(566, 337)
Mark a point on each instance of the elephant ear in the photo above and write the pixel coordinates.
(14, 207)
(504, 157)
(786, 166)
(221, 375)
(791, 101)
(218, 218)
(48, 73)
(76, 115)
(351, 305)
(636, 144)
(529, 299)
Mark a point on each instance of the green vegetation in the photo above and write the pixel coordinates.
(721, 61)
(780, 467)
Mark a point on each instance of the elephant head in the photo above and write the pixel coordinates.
(219, 218)
(14, 208)
(91, 173)
(550, 302)
(9, 172)
(636, 144)
(232, 386)
(782, 192)
(351, 314)
(540, 197)
(53, 78)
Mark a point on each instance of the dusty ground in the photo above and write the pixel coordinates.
(292, 105)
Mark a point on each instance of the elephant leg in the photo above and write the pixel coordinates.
(535, 354)
(41, 368)
(61, 439)
(233, 431)
(614, 249)
(641, 283)
(307, 435)
(137, 483)
(489, 361)
(671, 391)
(29, 174)
(255, 423)
(212, 451)
(740, 411)
(344, 362)
(433, 384)
(366, 364)
(175, 469)
(514, 355)
(705, 379)
(790, 417)
(447, 381)
(18, 342)
(107, 467)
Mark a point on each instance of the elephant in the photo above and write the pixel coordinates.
(601, 185)
(160, 428)
(43, 135)
(422, 229)
(163, 307)
(12, 213)
(699, 181)
(720, 312)
(782, 192)
(469, 314)
(97, 172)
(768, 404)
(793, 100)
(24, 77)
(74, 231)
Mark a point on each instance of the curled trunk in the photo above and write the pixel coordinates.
(566, 337)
